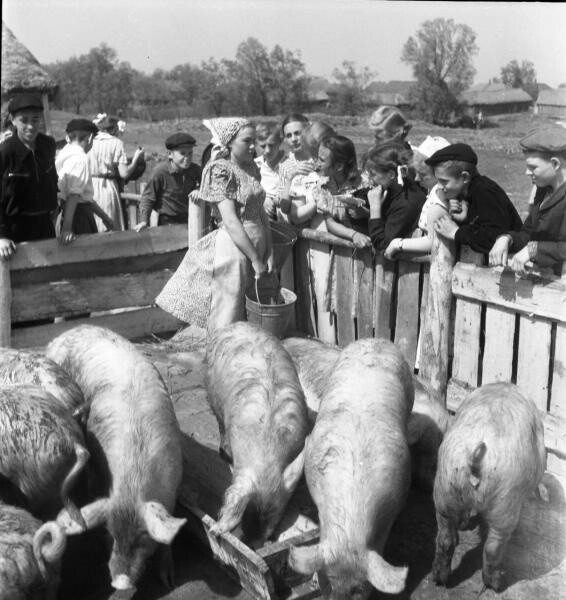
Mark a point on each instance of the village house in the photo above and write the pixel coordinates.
(551, 103)
(495, 99)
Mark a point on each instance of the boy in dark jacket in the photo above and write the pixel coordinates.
(29, 179)
(482, 208)
(542, 238)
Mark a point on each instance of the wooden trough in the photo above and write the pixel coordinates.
(475, 325)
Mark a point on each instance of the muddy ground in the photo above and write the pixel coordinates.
(197, 576)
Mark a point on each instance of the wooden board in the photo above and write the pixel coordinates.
(422, 309)
(407, 313)
(287, 280)
(502, 287)
(382, 297)
(304, 308)
(498, 350)
(558, 396)
(57, 298)
(533, 360)
(364, 265)
(345, 327)
(319, 260)
(131, 324)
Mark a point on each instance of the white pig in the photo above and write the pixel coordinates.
(255, 394)
(133, 428)
(315, 360)
(24, 366)
(30, 555)
(490, 460)
(42, 451)
(357, 467)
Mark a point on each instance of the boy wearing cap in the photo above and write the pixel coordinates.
(75, 183)
(542, 238)
(29, 180)
(482, 208)
(170, 184)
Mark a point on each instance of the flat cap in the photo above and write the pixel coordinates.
(179, 139)
(461, 152)
(545, 139)
(23, 102)
(81, 125)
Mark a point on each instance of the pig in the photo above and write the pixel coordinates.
(490, 460)
(315, 360)
(357, 468)
(135, 438)
(42, 449)
(30, 555)
(254, 392)
(23, 366)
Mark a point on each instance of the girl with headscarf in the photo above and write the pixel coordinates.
(208, 289)
(108, 164)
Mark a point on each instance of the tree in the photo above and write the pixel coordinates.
(521, 76)
(348, 97)
(73, 89)
(441, 55)
(289, 80)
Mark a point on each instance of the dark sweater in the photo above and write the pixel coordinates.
(399, 214)
(490, 214)
(29, 180)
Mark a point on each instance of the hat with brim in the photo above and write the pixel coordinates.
(545, 139)
(179, 139)
(25, 102)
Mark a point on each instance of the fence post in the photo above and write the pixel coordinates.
(436, 327)
(196, 221)
(5, 303)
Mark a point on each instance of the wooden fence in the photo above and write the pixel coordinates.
(462, 324)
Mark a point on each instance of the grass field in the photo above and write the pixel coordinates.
(499, 155)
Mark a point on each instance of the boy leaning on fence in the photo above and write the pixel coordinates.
(171, 183)
(481, 211)
(542, 238)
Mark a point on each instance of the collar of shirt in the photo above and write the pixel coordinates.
(173, 169)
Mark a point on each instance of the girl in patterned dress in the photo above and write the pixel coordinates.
(108, 163)
(208, 289)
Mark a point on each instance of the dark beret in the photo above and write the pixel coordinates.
(81, 125)
(23, 102)
(461, 152)
(545, 139)
(179, 139)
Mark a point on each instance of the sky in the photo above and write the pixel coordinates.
(152, 34)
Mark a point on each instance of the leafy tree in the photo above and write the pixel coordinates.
(524, 76)
(289, 80)
(73, 89)
(348, 97)
(441, 55)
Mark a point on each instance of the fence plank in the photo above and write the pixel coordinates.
(131, 324)
(5, 303)
(407, 314)
(287, 280)
(57, 298)
(382, 297)
(533, 359)
(320, 265)
(364, 265)
(304, 308)
(558, 398)
(422, 310)
(345, 329)
(497, 362)
(504, 288)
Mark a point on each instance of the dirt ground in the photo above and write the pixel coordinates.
(411, 542)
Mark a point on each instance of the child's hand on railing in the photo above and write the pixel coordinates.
(141, 226)
(7, 248)
(395, 247)
(195, 197)
(360, 240)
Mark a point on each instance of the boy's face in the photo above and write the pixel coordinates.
(27, 123)
(182, 156)
(451, 185)
(542, 171)
(324, 160)
(269, 148)
(293, 133)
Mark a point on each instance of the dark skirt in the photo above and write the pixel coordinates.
(83, 221)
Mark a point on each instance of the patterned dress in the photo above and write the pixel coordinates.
(106, 154)
(208, 288)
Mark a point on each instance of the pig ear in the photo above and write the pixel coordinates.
(293, 472)
(306, 559)
(383, 576)
(161, 526)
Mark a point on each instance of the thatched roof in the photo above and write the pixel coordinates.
(552, 97)
(495, 96)
(21, 71)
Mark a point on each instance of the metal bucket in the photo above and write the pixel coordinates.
(283, 238)
(274, 318)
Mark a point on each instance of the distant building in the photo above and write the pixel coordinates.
(392, 93)
(496, 99)
(551, 103)
(317, 97)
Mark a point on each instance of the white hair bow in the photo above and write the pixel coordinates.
(99, 118)
(121, 126)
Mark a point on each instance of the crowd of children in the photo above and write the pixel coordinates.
(310, 176)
